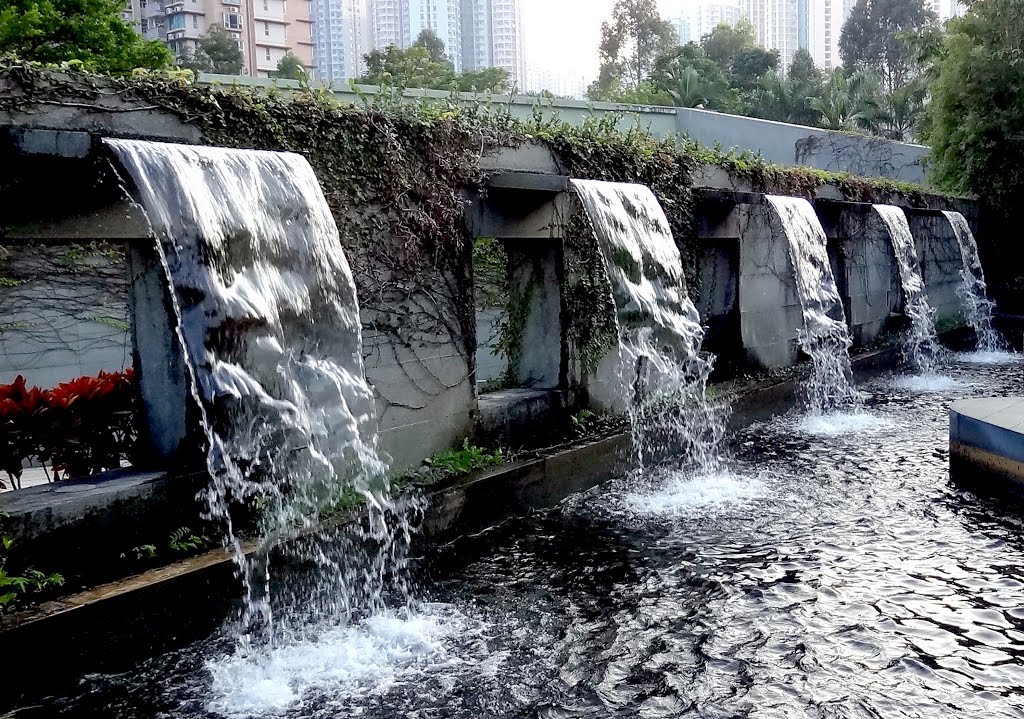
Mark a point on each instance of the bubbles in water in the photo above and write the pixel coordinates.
(348, 662)
(987, 357)
(841, 423)
(268, 316)
(927, 383)
(662, 372)
(682, 494)
(824, 337)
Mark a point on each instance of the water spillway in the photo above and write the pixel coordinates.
(824, 337)
(267, 313)
(922, 340)
(974, 290)
(660, 333)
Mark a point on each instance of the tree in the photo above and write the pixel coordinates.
(646, 93)
(875, 38)
(434, 45)
(749, 64)
(290, 67)
(632, 42)
(217, 52)
(489, 79)
(412, 67)
(692, 80)
(805, 81)
(89, 31)
(725, 42)
(847, 103)
(976, 114)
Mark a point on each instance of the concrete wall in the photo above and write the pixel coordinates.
(938, 251)
(775, 141)
(864, 267)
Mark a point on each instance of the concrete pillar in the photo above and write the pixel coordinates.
(770, 312)
(535, 312)
(864, 267)
(159, 358)
(938, 251)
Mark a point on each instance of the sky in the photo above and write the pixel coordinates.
(564, 34)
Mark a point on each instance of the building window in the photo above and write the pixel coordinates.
(266, 28)
(268, 53)
(195, 22)
(266, 4)
(145, 25)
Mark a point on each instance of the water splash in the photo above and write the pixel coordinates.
(703, 495)
(660, 334)
(922, 341)
(973, 291)
(824, 337)
(268, 316)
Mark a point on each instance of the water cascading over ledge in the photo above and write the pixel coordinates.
(922, 341)
(267, 312)
(824, 337)
(662, 371)
(973, 290)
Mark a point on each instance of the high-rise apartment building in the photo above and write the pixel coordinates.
(492, 36)
(700, 17)
(946, 9)
(443, 18)
(265, 30)
(776, 25)
(388, 20)
(828, 20)
(341, 34)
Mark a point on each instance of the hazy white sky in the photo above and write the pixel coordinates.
(564, 34)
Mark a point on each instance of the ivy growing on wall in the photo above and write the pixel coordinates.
(403, 172)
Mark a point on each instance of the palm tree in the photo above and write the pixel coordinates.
(848, 103)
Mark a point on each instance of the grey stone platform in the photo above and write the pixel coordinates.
(986, 441)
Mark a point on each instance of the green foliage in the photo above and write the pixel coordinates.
(631, 43)
(428, 40)
(144, 552)
(217, 52)
(15, 587)
(183, 540)
(456, 462)
(976, 128)
(415, 67)
(586, 424)
(290, 67)
(977, 109)
(90, 33)
(873, 38)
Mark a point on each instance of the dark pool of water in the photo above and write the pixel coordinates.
(820, 576)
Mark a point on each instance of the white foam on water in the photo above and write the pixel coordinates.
(841, 423)
(352, 661)
(927, 383)
(987, 357)
(707, 494)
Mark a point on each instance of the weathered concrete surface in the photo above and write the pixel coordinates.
(986, 442)
(775, 141)
(864, 267)
(515, 417)
(938, 251)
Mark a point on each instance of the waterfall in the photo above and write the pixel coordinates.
(660, 334)
(824, 337)
(267, 312)
(973, 291)
(922, 341)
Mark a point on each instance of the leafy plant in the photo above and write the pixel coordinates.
(183, 540)
(144, 551)
(14, 586)
(81, 427)
(456, 462)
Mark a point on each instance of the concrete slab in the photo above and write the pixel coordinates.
(986, 441)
